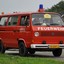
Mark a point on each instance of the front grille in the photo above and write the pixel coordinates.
(52, 33)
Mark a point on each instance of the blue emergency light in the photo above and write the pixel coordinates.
(41, 6)
(41, 9)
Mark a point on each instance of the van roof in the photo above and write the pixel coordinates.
(24, 13)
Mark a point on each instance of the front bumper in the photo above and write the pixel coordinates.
(47, 46)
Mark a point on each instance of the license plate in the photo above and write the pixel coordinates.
(54, 46)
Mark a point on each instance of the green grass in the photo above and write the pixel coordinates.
(11, 59)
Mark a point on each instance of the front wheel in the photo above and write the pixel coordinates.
(22, 49)
(2, 49)
(57, 52)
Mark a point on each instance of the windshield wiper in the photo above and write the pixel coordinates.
(54, 24)
(37, 24)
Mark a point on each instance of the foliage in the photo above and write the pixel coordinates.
(57, 8)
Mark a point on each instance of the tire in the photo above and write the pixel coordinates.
(57, 52)
(22, 49)
(31, 51)
(2, 49)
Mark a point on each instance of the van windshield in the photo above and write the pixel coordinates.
(46, 20)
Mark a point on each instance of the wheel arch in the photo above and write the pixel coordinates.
(22, 40)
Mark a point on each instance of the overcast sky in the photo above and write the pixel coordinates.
(24, 5)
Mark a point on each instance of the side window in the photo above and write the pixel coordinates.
(13, 21)
(24, 21)
(3, 21)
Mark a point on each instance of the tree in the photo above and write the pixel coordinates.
(57, 8)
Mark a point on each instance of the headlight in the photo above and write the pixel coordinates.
(36, 34)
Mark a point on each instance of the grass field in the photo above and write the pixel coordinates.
(11, 59)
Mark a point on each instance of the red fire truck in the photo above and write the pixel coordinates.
(31, 32)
